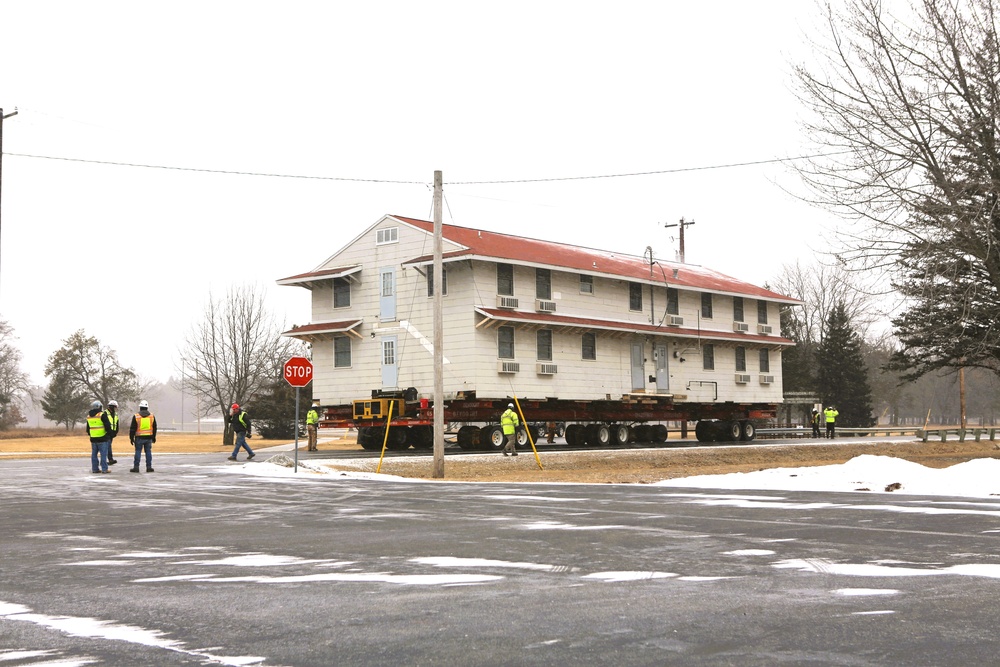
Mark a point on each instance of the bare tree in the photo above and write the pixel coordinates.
(14, 387)
(906, 113)
(236, 352)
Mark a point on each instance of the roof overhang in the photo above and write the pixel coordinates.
(320, 331)
(495, 317)
(309, 280)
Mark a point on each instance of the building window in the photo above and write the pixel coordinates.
(341, 352)
(590, 346)
(706, 305)
(737, 308)
(505, 280)
(762, 312)
(741, 359)
(430, 281)
(543, 284)
(708, 357)
(387, 287)
(505, 342)
(673, 307)
(765, 360)
(341, 293)
(389, 235)
(543, 344)
(634, 296)
(586, 284)
(389, 352)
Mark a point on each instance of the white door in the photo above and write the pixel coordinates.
(662, 374)
(389, 363)
(638, 366)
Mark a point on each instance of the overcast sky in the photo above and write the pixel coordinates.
(367, 99)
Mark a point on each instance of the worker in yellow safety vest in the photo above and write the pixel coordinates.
(142, 435)
(113, 433)
(831, 421)
(509, 422)
(312, 425)
(98, 427)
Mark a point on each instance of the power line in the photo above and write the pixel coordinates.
(392, 182)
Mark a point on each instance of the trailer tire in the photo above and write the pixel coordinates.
(491, 438)
(620, 434)
(747, 431)
(468, 437)
(703, 431)
(422, 437)
(598, 435)
(399, 438)
(643, 433)
(574, 435)
(521, 439)
(659, 433)
(367, 439)
(731, 431)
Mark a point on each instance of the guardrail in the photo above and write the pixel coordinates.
(943, 433)
(924, 434)
(794, 432)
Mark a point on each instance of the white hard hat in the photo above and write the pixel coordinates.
(510, 405)
(143, 404)
(113, 403)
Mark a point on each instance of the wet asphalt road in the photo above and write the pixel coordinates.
(194, 565)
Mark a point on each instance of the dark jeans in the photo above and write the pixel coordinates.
(143, 444)
(830, 428)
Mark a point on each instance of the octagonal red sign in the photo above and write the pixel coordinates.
(298, 371)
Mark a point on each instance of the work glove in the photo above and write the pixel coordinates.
(249, 436)
(132, 441)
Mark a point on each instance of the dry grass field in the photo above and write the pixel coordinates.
(605, 466)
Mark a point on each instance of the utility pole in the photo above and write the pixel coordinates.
(2, 117)
(682, 224)
(438, 470)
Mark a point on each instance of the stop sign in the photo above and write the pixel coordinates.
(298, 371)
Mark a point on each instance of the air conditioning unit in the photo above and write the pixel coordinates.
(547, 369)
(543, 306)
(766, 379)
(742, 378)
(676, 321)
(506, 301)
(741, 326)
(508, 366)
(764, 329)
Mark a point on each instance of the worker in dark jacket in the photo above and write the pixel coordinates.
(815, 423)
(113, 420)
(98, 427)
(239, 420)
(142, 435)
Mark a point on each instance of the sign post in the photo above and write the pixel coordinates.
(298, 372)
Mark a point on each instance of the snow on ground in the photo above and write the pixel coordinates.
(875, 474)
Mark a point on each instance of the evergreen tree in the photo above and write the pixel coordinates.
(273, 411)
(64, 402)
(842, 372)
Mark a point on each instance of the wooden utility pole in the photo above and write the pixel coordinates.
(682, 224)
(2, 117)
(438, 471)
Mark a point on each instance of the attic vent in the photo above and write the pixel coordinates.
(764, 329)
(508, 367)
(506, 301)
(676, 321)
(766, 379)
(742, 378)
(741, 326)
(547, 369)
(543, 306)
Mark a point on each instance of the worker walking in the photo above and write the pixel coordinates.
(831, 421)
(142, 435)
(510, 422)
(239, 420)
(815, 423)
(97, 429)
(312, 425)
(113, 420)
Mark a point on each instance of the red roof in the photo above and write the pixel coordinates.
(516, 249)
